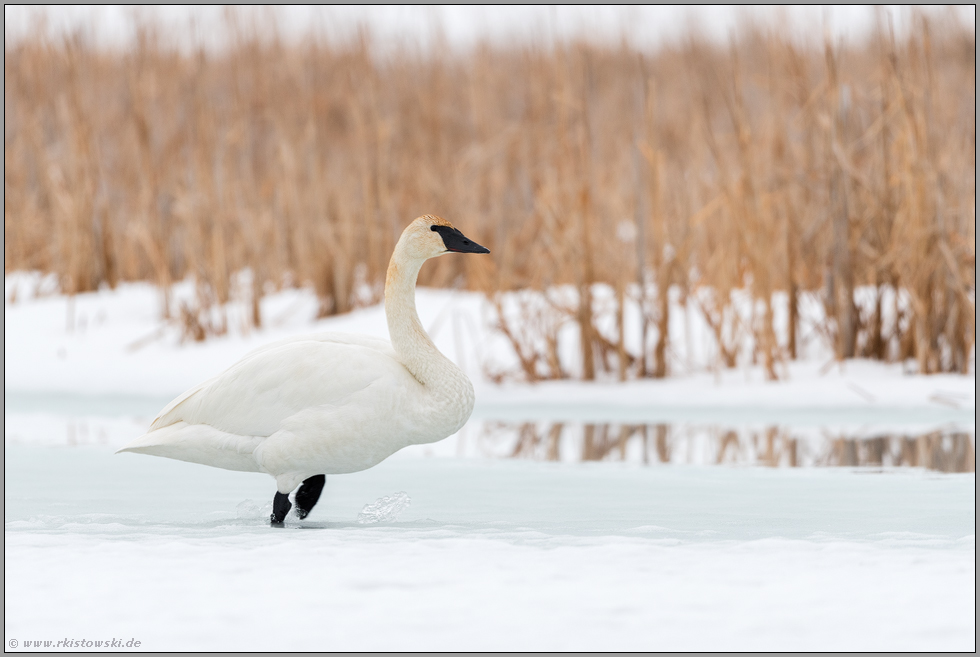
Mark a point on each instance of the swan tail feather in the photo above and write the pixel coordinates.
(198, 443)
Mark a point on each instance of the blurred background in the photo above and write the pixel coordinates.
(821, 157)
(721, 237)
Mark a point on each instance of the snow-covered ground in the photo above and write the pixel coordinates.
(114, 343)
(492, 552)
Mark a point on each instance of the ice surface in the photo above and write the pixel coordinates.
(491, 555)
(384, 509)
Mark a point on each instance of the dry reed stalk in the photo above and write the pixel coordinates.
(767, 166)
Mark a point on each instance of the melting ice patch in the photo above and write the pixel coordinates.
(384, 509)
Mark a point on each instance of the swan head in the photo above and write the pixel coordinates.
(430, 236)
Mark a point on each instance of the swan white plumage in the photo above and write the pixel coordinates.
(328, 403)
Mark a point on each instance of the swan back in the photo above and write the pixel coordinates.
(255, 395)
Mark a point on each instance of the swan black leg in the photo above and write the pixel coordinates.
(308, 494)
(280, 507)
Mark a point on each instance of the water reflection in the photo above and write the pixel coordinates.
(947, 449)
(944, 450)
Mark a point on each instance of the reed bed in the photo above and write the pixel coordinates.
(763, 166)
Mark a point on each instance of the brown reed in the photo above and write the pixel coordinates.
(764, 165)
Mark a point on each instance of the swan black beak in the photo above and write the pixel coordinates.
(456, 242)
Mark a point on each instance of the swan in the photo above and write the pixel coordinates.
(329, 403)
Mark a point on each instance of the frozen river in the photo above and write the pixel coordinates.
(603, 534)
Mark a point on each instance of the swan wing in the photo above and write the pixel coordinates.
(169, 414)
(254, 396)
(222, 421)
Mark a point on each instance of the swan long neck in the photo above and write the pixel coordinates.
(412, 344)
(449, 395)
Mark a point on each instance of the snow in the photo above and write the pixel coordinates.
(649, 549)
(113, 343)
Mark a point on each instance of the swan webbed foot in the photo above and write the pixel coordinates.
(306, 498)
(280, 508)
(309, 494)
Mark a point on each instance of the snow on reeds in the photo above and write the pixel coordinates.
(763, 168)
(701, 331)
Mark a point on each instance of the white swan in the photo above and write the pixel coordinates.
(329, 403)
